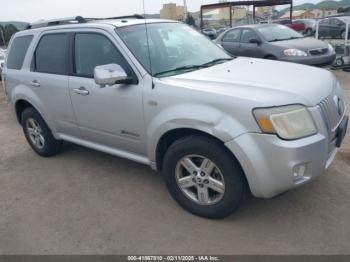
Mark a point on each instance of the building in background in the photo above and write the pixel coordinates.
(173, 12)
(322, 13)
(298, 14)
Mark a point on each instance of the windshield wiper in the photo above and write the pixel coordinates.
(193, 67)
(181, 68)
(284, 39)
(216, 61)
(275, 40)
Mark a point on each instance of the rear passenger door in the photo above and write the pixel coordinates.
(49, 78)
(230, 41)
(109, 116)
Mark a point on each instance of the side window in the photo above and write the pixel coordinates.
(91, 50)
(324, 22)
(18, 50)
(332, 21)
(232, 36)
(247, 35)
(51, 54)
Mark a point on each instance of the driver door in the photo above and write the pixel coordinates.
(230, 41)
(111, 116)
(246, 47)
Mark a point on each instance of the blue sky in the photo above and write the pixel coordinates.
(33, 10)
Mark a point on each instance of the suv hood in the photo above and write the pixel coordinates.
(264, 82)
(304, 44)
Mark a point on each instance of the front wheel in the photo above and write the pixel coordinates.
(342, 35)
(309, 32)
(203, 177)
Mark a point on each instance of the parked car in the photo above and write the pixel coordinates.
(295, 25)
(2, 60)
(276, 42)
(210, 33)
(209, 122)
(221, 30)
(309, 25)
(333, 27)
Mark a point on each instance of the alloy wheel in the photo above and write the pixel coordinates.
(35, 133)
(200, 179)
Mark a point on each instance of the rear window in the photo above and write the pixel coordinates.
(51, 54)
(18, 51)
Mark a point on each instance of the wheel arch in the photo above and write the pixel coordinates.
(267, 56)
(20, 106)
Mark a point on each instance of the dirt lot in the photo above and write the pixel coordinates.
(87, 202)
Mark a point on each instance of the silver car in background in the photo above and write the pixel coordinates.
(169, 98)
(276, 42)
(2, 60)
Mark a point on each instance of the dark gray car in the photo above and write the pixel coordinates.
(277, 42)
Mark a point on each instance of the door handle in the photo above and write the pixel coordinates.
(81, 91)
(34, 83)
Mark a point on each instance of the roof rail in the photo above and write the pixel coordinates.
(59, 21)
(75, 20)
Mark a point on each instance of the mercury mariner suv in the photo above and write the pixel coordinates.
(159, 93)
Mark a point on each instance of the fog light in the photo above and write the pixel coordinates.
(299, 172)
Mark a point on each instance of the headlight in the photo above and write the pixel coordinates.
(294, 52)
(288, 122)
(330, 48)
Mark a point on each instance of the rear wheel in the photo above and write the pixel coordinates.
(203, 177)
(38, 134)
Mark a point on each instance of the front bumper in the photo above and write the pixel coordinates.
(321, 60)
(273, 166)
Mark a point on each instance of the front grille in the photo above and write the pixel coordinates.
(319, 51)
(331, 111)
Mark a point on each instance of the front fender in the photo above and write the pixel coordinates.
(198, 117)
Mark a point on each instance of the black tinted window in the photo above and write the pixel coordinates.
(51, 54)
(92, 50)
(248, 35)
(324, 22)
(18, 51)
(232, 36)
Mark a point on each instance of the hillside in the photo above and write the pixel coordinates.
(19, 25)
(321, 5)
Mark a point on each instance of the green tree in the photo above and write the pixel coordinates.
(190, 20)
(6, 33)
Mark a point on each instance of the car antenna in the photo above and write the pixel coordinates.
(148, 50)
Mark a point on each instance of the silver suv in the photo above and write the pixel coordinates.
(159, 93)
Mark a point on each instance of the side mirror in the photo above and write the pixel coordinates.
(111, 74)
(255, 41)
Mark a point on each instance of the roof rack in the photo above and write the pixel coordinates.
(75, 20)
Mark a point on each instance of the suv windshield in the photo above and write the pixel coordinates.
(278, 33)
(174, 48)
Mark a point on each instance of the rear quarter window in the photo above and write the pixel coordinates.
(18, 50)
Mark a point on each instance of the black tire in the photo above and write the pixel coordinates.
(309, 32)
(219, 155)
(342, 35)
(51, 146)
(339, 61)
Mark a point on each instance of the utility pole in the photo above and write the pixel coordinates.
(185, 10)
